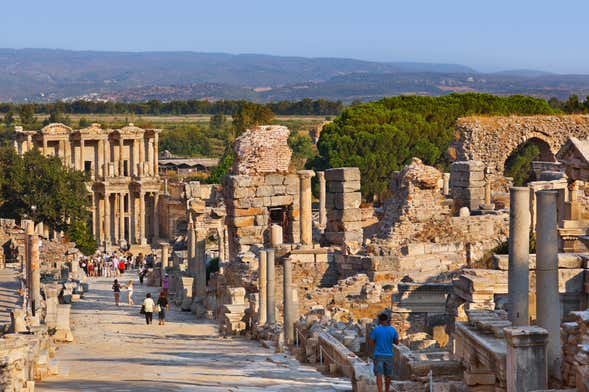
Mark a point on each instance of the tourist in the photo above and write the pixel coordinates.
(121, 266)
(382, 338)
(165, 284)
(147, 308)
(130, 292)
(162, 308)
(116, 288)
(141, 275)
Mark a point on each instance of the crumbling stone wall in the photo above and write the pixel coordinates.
(467, 184)
(263, 149)
(493, 139)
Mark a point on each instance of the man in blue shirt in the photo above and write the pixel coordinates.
(382, 338)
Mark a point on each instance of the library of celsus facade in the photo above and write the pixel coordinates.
(122, 167)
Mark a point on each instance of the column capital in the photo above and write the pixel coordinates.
(306, 173)
(321, 175)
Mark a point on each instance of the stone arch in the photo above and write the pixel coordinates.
(493, 139)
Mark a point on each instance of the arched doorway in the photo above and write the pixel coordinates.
(519, 163)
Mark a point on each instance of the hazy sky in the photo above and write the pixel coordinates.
(487, 35)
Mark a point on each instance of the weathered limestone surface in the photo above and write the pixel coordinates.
(467, 184)
(263, 149)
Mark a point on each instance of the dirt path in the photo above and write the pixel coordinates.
(9, 298)
(115, 351)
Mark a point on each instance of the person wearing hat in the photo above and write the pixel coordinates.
(382, 338)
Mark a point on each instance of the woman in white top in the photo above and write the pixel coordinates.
(148, 307)
(130, 292)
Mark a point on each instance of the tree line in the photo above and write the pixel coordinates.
(193, 106)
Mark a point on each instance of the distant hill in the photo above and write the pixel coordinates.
(49, 75)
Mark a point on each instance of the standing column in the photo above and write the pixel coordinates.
(121, 160)
(306, 207)
(156, 216)
(526, 359)
(201, 264)
(141, 153)
(142, 218)
(262, 267)
(276, 235)
(548, 297)
(106, 158)
(34, 268)
(165, 255)
(155, 155)
(270, 287)
(134, 168)
(44, 145)
(289, 306)
(446, 184)
(150, 156)
(115, 213)
(322, 209)
(191, 232)
(81, 154)
(106, 218)
(519, 246)
(100, 153)
(122, 238)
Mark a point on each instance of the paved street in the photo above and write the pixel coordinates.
(115, 351)
(9, 299)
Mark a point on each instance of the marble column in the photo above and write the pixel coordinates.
(107, 218)
(142, 218)
(270, 287)
(121, 160)
(547, 294)
(201, 264)
(33, 266)
(288, 303)
(487, 190)
(141, 153)
(100, 169)
(446, 184)
(81, 154)
(150, 157)
(156, 216)
(276, 235)
(106, 151)
(306, 211)
(262, 288)
(191, 245)
(122, 238)
(526, 359)
(165, 255)
(115, 213)
(155, 155)
(44, 145)
(322, 209)
(134, 168)
(519, 244)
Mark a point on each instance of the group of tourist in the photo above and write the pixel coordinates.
(114, 265)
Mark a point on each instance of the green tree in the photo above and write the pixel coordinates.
(80, 233)
(249, 115)
(302, 148)
(57, 116)
(83, 122)
(27, 117)
(42, 188)
(217, 121)
(519, 164)
(225, 163)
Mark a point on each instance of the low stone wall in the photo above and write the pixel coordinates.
(575, 347)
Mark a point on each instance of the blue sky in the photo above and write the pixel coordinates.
(487, 35)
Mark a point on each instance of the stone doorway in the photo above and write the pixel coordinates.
(281, 216)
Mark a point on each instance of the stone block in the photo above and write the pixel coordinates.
(242, 192)
(251, 231)
(291, 179)
(274, 179)
(243, 221)
(343, 237)
(292, 189)
(279, 189)
(479, 378)
(257, 202)
(247, 211)
(280, 201)
(262, 220)
(344, 201)
(344, 226)
(343, 186)
(265, 190)
(347, 215)
(343, 174)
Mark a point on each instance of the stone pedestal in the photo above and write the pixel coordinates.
(306, 206)
(262, 279)
(63, 332)
(547, 293)
(17, 321)
(526, 358)
(276, 235)
(519, 247)
(270, 287)
(201, 266)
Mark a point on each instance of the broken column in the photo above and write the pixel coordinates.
(165, 255)
(289, 306)
(526, 358)
(322, 210)
(191, 234)
(270, 287)
(276, 235)
(548, 297)
(306, 206)
(446, 184)
(519, 247)
(201, 266)
(63, 333)
(262, 275)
